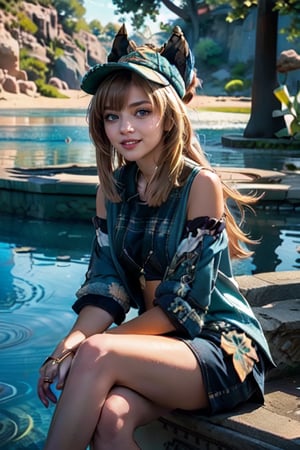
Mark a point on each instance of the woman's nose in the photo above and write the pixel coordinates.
(126, 126)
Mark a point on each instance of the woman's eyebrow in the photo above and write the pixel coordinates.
(131, 105)
(140, 102)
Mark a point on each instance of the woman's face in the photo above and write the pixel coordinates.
(136, 130)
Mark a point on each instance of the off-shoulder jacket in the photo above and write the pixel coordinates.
(197, 285)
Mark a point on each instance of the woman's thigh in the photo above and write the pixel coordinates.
(162, 369)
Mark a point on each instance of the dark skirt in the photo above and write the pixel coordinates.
(227, 383)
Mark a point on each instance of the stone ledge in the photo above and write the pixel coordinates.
(275, 298)
(263, 288)
(273, 426)
(281, 324)
(34, 192)
(238, 141)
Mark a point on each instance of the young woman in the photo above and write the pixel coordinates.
(164, 239)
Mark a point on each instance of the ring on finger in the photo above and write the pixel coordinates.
(47, 380)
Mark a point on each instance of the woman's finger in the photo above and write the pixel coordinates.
(63, 371)
(44, 391)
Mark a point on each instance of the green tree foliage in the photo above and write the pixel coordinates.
(240, 9)
(139, 9)
(96, 28)
(70, 14)
(188, 12)
(148, 9)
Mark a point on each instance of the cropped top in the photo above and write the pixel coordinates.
(190, 259)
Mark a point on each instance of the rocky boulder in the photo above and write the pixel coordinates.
(288, 60)
(27, 87)
(58, 83)
(9, 53)
(70, 69)
(95, 52)
(45, 18)
(35, 48)
(10, 84)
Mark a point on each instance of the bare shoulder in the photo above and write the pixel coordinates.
(206, 196)
(100, 204)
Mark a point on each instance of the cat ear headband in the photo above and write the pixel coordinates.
(173, 63)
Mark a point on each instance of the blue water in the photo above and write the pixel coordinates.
(38, 138)
(42, 264)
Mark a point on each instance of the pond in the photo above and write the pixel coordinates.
(40, 138)
(42, 263)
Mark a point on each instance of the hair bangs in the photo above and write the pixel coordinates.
(115, 90)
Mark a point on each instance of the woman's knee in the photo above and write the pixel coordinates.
(117, 417)
(91, 351)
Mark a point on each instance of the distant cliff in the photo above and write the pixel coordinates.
(64, 69)
(48, 55)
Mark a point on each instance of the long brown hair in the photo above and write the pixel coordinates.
(179, 143)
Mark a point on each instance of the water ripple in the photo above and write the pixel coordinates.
(11, 336)
(21, 291)
(22, 424)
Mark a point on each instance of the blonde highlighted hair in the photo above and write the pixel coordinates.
(179, 143)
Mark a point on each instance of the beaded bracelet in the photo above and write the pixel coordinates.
(58, 359)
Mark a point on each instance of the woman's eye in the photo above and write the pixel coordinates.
(143, 112)
(109, 117)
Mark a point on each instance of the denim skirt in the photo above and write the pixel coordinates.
(230, 380)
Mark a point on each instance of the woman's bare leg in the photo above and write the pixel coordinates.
(161, 369)
(123, 411)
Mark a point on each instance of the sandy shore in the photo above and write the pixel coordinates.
(80, 100)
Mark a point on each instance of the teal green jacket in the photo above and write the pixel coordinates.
(197, 285)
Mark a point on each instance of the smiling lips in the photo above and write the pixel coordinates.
(130, 144)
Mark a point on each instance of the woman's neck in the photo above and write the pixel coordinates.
(143, 181)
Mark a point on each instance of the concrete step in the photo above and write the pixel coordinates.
(274, 426)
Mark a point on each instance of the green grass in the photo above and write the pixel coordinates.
(226, 109)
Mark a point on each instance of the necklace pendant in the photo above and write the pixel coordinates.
(142, 281)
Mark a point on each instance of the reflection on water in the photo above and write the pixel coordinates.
(43, 263)
(279, 233)
(41, 266)
(39, 138)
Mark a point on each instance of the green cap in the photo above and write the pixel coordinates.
(147, 63)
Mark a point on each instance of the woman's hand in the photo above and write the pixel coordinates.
(91, 320)
(53, 370)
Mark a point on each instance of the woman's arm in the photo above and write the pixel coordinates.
(154, 322)
(91, 320)
(206, 196)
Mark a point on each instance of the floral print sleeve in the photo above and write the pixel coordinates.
(185, 292)
(102, 286)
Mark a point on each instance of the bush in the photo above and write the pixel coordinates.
(80, 45)
(234, 86)
(49, 91)
(209, 52)
(35, 68)
(26, 24)
(239, 70)
(9, 5)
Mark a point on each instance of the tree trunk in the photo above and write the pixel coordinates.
(261, 123)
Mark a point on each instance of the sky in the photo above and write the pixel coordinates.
(103, 10)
